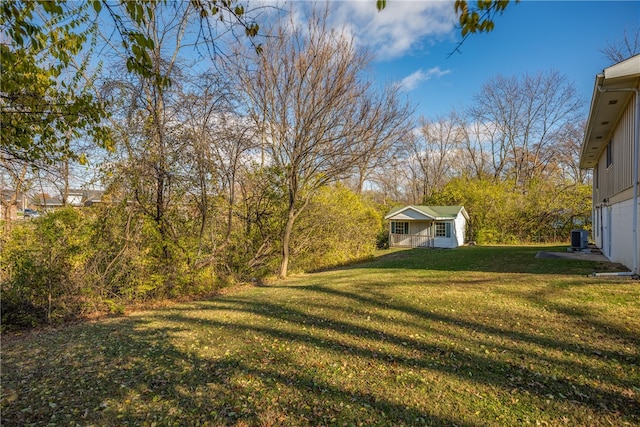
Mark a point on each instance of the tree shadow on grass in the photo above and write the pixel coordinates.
(420, 316)
(155, 368)
(508, 373)
(550, 297)
(124, 373)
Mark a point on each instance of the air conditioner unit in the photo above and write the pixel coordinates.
(579, 239)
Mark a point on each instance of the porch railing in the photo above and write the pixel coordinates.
(411, 240)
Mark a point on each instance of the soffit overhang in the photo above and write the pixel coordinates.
(611, 95)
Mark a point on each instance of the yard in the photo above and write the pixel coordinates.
(473, 336)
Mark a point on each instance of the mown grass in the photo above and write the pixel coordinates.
(475, 336)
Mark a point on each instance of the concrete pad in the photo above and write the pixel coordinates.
(584, 256)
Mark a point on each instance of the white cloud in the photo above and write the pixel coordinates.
(399, 28)
(414, 79)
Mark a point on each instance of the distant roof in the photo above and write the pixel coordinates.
(436, 212)
(8, 194)
(48, 202)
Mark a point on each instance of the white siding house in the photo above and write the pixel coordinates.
(611, 148)
(427, 226)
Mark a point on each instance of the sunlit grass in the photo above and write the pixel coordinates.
(475, 336)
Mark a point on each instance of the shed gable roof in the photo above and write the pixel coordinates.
(426, 212)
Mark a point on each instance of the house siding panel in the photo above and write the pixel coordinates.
(613, 119)
(616, 178)
(622, 244)
(459, 230)
(613, 193)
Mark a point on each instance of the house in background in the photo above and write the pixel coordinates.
(427, 226)
(75, 198)
(45, 203)
(611, 147)
(92, 197)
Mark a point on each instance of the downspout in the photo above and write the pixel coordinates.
(636, 269)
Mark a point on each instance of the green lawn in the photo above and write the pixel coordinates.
(470, 337)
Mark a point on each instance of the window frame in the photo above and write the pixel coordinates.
(609, 155)
(443, 229)
(404, 227)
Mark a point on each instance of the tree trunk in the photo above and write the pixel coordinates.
(362, 176)
(65, 172)
(286, 240)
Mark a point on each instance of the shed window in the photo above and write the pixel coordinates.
(399, 227)
(610, 153)
(443, 229)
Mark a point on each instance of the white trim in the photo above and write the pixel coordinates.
(400, 215)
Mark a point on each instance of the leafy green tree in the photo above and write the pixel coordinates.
(473, 17)
(550, 210)
(486, 201)
(479, 17)
(43, 261)
(546, 211)
(44, 104)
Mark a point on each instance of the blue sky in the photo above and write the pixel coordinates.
(412, 40)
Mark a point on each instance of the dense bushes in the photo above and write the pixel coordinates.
(501, 212)
(42, 263)
(71, 262)
(338, 228)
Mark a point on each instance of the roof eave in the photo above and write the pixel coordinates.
(465, 214)
(399, 211)
(607, 104)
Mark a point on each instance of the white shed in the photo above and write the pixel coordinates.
(427, 226)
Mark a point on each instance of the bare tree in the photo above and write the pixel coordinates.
(390, 129)
(13, 183)
(219, 142)
(307, 94)
(391, 184)
(432, 153)
(474, 159)
(521, 118)
(625, 48)
(145, 116)
(567, 154)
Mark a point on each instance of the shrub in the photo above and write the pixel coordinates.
(502, 212)
(337, 227)
(42, 260)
